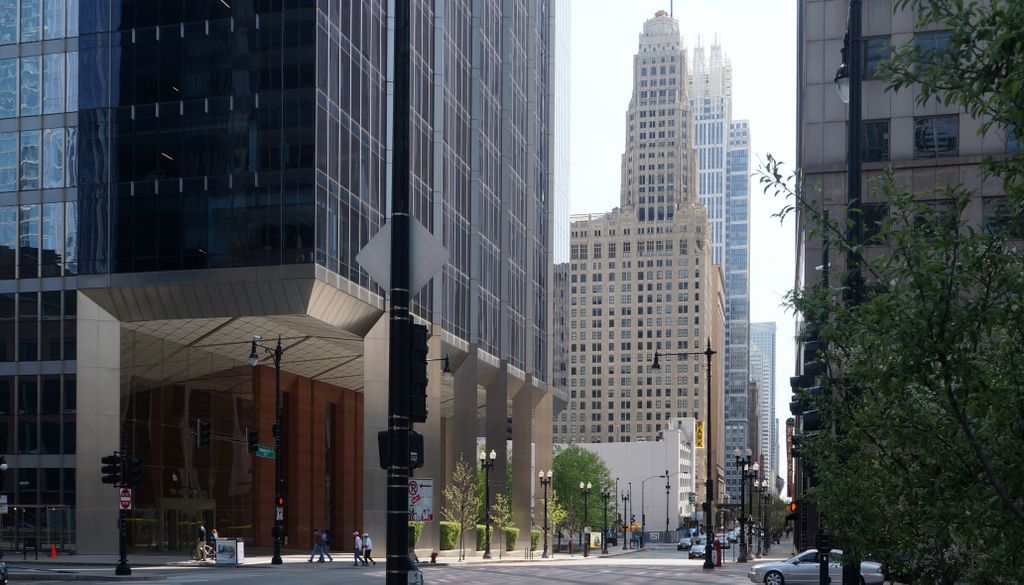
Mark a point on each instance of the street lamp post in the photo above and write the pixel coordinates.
(709, 482)
(750, 507)
(643, 509)
(545, 481)
(743, 460)
(585, 488)
(625, 521)
(667, 487)
(617, 505)
(765, 501)
(254, 359)
(604, 538)
(487, 463)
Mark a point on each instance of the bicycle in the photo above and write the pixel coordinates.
(209, 552)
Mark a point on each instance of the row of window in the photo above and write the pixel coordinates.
(26, 21)
(42, 84)
(34, 326)
(38, 240)
(38, 159)
(877, 49)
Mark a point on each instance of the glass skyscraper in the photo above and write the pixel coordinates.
(723, 151)
(39, 259)
(177, 176)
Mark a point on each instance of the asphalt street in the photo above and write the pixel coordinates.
(657, 564)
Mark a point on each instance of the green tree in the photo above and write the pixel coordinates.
(501, 516)
(460, 497)
(571, 466)
(923, 469)
(557, 514)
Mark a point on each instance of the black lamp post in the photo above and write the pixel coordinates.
(604, 538)
(743, 460)
(585, 488)
(625, 521)
(709, 482)
(751, 475)
(765, 500)
(545, 481)
(617, 503)
(254, 359)
(667, 486)
(487, 463)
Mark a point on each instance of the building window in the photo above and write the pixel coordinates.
(933, 41)
(875, 141)
(997, 218)
(935, 136)
(876, 51)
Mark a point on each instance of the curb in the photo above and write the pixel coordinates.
(58, 576)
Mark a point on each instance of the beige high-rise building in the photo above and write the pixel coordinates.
(641, 279)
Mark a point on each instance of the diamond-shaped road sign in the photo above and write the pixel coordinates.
(426, 256)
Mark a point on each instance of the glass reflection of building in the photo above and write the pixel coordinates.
(233, 160)
(38, 262)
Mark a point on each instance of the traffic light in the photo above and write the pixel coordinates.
(111, 469)
(281, 501)
(202, 433)
(134, 472)
(418, 375)
(252, 440)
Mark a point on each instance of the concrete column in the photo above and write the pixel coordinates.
(375, 418)
(98, 425)
(496, 428)
(523, 475)
(464, 421)
(542, 449)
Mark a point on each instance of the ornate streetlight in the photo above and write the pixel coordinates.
(254, 359)
(743, 461)
(585, 489)
(604, 538)
(545, 481)
(625, 521)
(487, 463)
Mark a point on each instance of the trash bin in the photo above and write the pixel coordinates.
(230, 551)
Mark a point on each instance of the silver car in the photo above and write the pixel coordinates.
(804, 568)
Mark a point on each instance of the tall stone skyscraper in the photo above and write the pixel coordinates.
(723, 153)
(641, 276)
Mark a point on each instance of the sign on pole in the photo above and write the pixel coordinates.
(421, 499)
(126, 499)
(279, 513)
(265, 452)
(698, 435)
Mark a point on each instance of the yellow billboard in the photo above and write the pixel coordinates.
(698, 435)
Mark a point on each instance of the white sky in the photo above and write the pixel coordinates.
(759, 37)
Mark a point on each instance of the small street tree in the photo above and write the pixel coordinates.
(461, 501)
(501, 516)
(557, 515)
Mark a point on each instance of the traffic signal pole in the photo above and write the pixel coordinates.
(122, 530)
(398, 562)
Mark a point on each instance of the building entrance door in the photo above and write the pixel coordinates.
(181, 518)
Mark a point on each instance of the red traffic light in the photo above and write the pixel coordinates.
(280, 500)
(792, 506)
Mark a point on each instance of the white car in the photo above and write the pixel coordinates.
(804, 569)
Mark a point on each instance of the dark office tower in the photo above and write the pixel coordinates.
(38, 263)
(235, 159)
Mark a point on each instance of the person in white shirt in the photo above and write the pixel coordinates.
(357, 548)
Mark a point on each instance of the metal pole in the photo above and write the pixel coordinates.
(122, 531)
(604, 537)
(586, 520)
(545, 482)
(398, 561)
(276, 531)
(709, 481)
(643, 512)
(851, 561)
(743, 511)
(617, 503)
(625, 522)
(667, 486)
(487, 507)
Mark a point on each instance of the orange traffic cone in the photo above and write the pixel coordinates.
(53, 551)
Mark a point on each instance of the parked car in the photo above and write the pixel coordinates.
(697, 551)
(803, 569)
(684, 543)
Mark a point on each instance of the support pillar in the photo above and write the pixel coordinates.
(463, 424)
(375, 417)
(524, 480)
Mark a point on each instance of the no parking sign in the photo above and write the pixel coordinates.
(421, 499)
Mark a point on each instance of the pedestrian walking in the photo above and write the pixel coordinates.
(357, 548)
(317, 546)
(368, 550)
(201, 542)
(325, 549)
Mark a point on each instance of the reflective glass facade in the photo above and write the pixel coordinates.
(38, 260)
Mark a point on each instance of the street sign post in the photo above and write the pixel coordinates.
(126, 499)
(265, 452)
(421, 499)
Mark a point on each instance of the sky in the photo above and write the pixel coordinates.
(759, 37)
